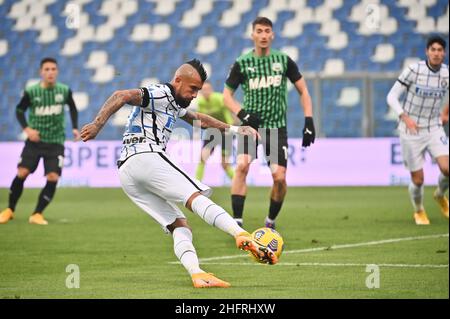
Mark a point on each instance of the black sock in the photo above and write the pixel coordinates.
(274, 209)
(46, 196)
(14, 192)
(237, 203)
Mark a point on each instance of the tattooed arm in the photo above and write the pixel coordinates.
(207, 121)
(111, 106)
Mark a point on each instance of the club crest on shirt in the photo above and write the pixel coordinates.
(444, 83)
(277, 67)
(59, 98)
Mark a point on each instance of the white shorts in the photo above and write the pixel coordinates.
(156, 185)
(414, 147)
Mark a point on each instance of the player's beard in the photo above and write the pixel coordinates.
(184, 103)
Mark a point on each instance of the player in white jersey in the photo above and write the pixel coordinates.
(426, 86)
(154, 182)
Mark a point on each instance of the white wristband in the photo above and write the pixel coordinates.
(234, 129)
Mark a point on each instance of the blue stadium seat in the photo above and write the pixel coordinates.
(135, 61)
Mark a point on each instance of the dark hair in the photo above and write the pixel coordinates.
(263, 21)
(48, 59)
(199, 67)
(436, 39)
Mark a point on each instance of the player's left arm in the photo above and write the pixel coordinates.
(207, 121)
(73, 116)
(137, 97)
(294, 75)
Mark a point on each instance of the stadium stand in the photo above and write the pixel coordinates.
(107, 45)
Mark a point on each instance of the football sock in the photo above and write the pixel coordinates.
(46, 196)
(230, 172)
(185, 250)
(200, 171)
(274, 209)
(215, 215)
(416, 195)
(442, 185)
(269, 220)
(237, 204)
(15, 191)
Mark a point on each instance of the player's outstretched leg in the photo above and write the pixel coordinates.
(216, 216)
(185, 252)
(439, 194)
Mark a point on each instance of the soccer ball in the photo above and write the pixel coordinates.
(269, 238)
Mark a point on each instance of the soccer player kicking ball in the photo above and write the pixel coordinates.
(154, 182)
(426, 85)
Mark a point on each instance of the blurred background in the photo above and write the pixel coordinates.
(350, 51)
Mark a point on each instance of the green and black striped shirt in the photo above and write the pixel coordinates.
(46, 111)
(264, 82)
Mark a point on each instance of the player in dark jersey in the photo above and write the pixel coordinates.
(45, 130)
(263, 74)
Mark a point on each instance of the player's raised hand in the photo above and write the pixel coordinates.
(32, 134)
(248, 131)
(411, 125)
(89, 131)
(309, 132)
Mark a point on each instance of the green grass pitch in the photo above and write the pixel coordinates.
(122, 253)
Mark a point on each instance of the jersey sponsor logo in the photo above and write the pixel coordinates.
(48, 110)
(59, 98)
(134, 140)
(427, 92)
(277, 67)
(265, 82)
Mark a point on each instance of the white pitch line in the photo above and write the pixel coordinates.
(333, 265)
(333, 247)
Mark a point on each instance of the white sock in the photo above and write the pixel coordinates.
(185, 250)
(268, 220)
(442, 185)
(416, 195)
(215, 215)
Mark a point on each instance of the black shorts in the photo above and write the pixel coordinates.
(212, 140)
(275, 144)
(53, 155)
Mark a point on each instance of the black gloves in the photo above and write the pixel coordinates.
(249, 119)
(309, 133)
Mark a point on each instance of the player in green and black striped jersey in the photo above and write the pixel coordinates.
(45, 130)
(263, 74)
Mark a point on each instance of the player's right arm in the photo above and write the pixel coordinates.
(393, 99)
(32, 134)
(444, 115)
(136, 97)
(232, 83)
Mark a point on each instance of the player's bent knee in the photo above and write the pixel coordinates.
(52, 177)
(23, 172)
(418, 181)
(242, 168)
